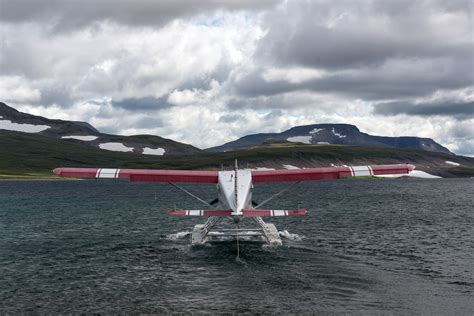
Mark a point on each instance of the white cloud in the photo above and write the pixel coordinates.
(177, 66)
(15, 89)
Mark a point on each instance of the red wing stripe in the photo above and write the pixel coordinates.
(310, 174)
(391, 169)
(256, 213)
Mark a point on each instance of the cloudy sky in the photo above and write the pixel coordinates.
(206, 72)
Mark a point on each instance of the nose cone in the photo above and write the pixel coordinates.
(57, 171)
(411, 167)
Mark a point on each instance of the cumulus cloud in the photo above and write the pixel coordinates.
(349, 34)
(16, 89)
(365, 49)
(207, 72)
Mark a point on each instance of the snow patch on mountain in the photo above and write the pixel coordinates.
(300, 139)
(337, 134)
(323, 143)
(316, 130)
(262, 169)
(452, 163)
(153, 151)
(422, 174)
(26, 128)
(414, 174)
(115, 147)
(86, 138)
(290, 167)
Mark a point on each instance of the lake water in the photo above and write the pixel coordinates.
(392, 246)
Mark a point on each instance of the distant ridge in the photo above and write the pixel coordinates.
(336, 134)
(323, 134)
(32, 155)
(30, 146)
(85, 134)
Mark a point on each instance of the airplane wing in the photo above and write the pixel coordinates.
(198, 176)
(146, 175)
(312, 174)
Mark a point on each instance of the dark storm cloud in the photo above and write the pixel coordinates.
(141, 104)
(73, 14)
(368, 84)
(461, 110)
(373, 50)
(353, 34)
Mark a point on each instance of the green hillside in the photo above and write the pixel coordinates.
(32, 155)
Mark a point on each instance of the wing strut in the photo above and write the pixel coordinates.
(189, 193)
(277, 194)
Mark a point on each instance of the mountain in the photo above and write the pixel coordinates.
(336, 134)
(32, 155)
(30, 146)
(85, 134)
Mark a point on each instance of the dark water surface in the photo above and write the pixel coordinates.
(379, 247)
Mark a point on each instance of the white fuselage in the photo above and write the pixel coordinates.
(235, 190)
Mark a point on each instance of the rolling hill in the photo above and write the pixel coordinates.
(85, 134)
(30, 146)
(34, 155)
(336, 134)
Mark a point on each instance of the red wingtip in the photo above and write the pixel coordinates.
(411, 167)
(57, 171)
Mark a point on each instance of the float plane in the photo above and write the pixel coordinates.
(234, 193)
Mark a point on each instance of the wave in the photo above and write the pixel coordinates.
(290, 236)
(178, 235)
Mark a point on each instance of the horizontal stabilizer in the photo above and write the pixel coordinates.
(261, 213)
(224, 213)
(245, 213)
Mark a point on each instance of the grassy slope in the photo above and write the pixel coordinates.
(30, 155)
